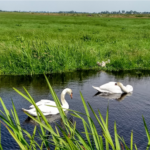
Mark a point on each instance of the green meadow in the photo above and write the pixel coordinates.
(32, 43)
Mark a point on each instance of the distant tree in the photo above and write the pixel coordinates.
(123, 11)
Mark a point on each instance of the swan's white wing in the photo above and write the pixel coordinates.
(45, 109)
(33, 112)
(109, 88)
(48, 110)
(48, 102)
(30, 111)
(100, 90)
(44, 102)
(38, 104)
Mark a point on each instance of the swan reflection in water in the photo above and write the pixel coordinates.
(116, 96)
(50, 119)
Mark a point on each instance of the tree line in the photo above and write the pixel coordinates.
(73, 12)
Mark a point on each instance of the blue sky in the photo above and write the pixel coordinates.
(79, 6)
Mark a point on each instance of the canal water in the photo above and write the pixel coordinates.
(126, 110)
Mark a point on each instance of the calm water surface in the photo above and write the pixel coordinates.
(126, 110)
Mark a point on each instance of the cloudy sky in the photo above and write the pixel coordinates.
(78, 5)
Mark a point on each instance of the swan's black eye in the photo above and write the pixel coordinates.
(115, 83)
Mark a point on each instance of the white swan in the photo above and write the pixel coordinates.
(47, 110)
(114, 87)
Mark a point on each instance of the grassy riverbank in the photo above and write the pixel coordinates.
(37, 43)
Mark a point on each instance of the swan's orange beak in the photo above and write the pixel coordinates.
(71, 95)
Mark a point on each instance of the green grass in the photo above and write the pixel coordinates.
(66, 137)
(35, 43)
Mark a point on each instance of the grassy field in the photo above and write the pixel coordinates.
(32, 43)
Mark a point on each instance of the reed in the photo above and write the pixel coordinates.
(66, 137)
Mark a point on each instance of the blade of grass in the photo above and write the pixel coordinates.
(62, 114)
(107, 116)
(122, 139)
(15, 138)
(103, 127)
(131, 141)
(97, 144)
(101, 140)
(116, 138)
(85, 125)
(80, 138)
(1, 148)
(17, 120)
(69, 141)
(32, 145)
(135, 147)
(146, 130)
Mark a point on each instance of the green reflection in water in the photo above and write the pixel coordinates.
(38, 81)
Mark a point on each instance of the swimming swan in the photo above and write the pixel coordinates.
(47, 110)
(114, 87)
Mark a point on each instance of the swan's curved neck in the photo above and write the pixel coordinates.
(62, 97)
(123, 88)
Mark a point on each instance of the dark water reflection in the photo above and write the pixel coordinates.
(126, 110)
(114, 96)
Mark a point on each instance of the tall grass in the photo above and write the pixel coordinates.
(38, 57)
(37, 43)
(66, 137)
